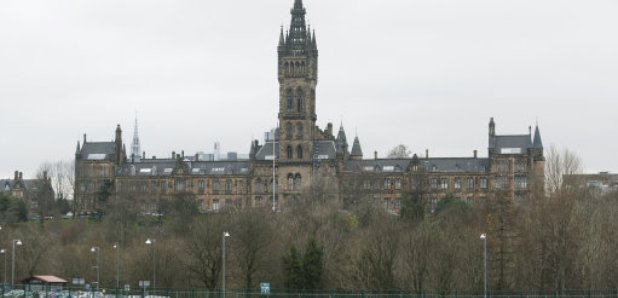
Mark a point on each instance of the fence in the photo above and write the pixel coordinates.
(42, 291)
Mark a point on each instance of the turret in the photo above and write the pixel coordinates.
(119, 146)
(357, 152)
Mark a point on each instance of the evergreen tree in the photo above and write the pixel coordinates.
(313, 265)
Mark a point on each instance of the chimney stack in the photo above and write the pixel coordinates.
(375, 154)
(21, 175)
(16, 175)
(426, 153)
(475, 154)
(143, 154)
(173, 154)
(197, 157)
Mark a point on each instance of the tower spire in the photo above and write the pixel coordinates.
(135, 146)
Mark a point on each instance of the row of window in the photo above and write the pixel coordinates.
(290, 151)
(521, 182)
(290, 107)
(294, 68)
(388, 183)
(289, 129)
(503, 166)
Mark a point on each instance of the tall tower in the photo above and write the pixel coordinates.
(135, 147)
(298, 77)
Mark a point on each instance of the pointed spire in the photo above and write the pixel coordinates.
(298, 4)
(356, 149)
(281, 40)
(341, 140)
(135, 146)
(313, 41)
(78, 150)
(537, 143)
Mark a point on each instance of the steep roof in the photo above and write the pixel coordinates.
(356, 148)
(166, 167)
(98, 150)
(537, 143)
(324, 150)
(456, 165)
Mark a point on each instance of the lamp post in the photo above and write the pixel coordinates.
(154, 263)
(484, 238)
(3, 251)
(18, 243)
(98, 266)
(225, 235)
(117, 249)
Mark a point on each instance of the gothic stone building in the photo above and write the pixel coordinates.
(303, 159)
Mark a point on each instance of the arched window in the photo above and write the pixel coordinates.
(299, 152)
(302, 67)
(290, 182)
(289, 100)
(299, 131)
(297, 68)
(289, 152)
(288, 130)
(286, 68)
(299, 100)
(297, 182)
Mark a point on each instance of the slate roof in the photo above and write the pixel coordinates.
(29, 184)
(267, 150)
(537, 143)
(95, 148)
(522, 142)
(456, 165)
(164, 167)
(439, 165)
(324, 150)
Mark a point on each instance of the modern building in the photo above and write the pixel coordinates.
(300, 159)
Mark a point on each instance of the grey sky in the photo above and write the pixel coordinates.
(425, 73)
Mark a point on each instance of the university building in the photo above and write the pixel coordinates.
(301, 160)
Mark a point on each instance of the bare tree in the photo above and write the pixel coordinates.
(560, 163)
(400, 151)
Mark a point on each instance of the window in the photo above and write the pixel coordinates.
(297, 182)
(387, 183)
(290, 182)
(289, 100)
(397, 183)
(164, 187)
(289, 152)
(458, 183)
(180, 185)
(483, 183)
(502, 182)
(367, 184)
(444, 184)
(153, 186)
(200, 186)
(299, 152)
(397, 204)
(434, 183)
(228, 186)
(288, 130)
(299, 100)
(520, 166)
(259, 201)
(215, 186)
(470, 183)
(258, 186)
(502, 166)
(521, 182)
(299, 131)
(215, 204)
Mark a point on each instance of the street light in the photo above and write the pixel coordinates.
(15, 242)
(3, 251)
(154, 263)
(117, 249)
(484, 238)
(98, 266)
(225, 235)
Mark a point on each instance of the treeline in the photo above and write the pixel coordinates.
(546, 244)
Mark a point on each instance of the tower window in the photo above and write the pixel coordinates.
(299, 131)
(297, 182)
(299, 152)
(289, 152)
(289, 100)
(299, 100)
(290, 182)
(288, 130)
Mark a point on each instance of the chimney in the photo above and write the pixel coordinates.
(177, 156)
(84, 138)
(197, 157)
(375, 154)
(16, 175)
(329, 129)
(475, 154)
(427, 153)
(530, 130)
(21, 175)
(154, 157)
(173, 154)
(143, 154)
(183, 153)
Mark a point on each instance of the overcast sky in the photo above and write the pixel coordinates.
(424, 73)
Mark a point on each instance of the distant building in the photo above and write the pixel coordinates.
(31, 191)
(306, 159)
(602, 182)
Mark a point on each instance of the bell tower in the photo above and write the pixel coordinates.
(298, 77)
